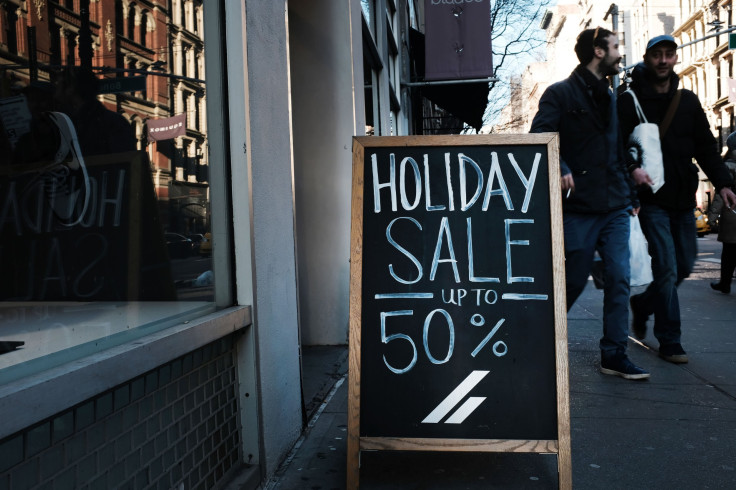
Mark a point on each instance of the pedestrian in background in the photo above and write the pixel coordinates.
(597, 192)
(726, 225)
(666, 216)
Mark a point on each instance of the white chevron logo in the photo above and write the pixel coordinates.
(454, 398)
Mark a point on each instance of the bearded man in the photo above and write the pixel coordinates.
(598, 196)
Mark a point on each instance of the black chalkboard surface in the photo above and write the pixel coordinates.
(458, 329)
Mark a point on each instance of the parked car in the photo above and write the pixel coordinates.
(179, 246)
(197, 239)
(205, 246)
(701, 223)
(713, 225)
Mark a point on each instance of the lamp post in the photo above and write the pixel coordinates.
(613, 12)
(85, 36)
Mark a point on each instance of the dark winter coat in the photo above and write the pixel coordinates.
(726, 218)
(590, 146)
(688, 137)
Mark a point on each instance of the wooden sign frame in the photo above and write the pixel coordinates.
(356, 443)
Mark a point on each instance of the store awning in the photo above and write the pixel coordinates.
(466, 101)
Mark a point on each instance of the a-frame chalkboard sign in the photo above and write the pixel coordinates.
(458, 330)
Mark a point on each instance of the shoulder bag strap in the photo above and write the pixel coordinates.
(639, 111)
(665, 124)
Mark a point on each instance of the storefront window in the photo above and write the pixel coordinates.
(369, 8)
(105, 229)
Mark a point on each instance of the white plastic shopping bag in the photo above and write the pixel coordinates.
(644, 146)
(641, 262)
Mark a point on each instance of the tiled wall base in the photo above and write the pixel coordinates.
(175, 427)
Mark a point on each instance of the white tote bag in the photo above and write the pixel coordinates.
(644, 146)
(640, 261)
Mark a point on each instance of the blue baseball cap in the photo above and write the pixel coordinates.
(661, 39)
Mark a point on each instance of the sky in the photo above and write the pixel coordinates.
(499, 95)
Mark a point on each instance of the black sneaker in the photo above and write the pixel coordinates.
(638, 320)
(719, 286)
(673, 353)
(622, 366)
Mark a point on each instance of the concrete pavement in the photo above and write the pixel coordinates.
(675, 430)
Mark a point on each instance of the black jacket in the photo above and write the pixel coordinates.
(688, 137)
(590, 146)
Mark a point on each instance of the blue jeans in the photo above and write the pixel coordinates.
(673, 247)
(609, 235)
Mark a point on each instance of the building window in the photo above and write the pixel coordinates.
(71, 48)
(190, 110)
(704, 86)
(176, 58)
(131, 21)
(176, 10)
(119, 19)
(368, 98)
(144, 28)
(144, 92)
(186, 50)
(10, 21)
(195, 107)
(412, 14)
(369, 13)
(198, 21)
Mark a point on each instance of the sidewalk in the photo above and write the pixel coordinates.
(676, 430)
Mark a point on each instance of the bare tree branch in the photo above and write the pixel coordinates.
(515, 37)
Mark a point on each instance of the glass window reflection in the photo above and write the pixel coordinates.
(369, 8)
(104, 181)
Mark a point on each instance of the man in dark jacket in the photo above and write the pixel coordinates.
(667, 216)
(726, 224)
(99, 130)
(597, 194)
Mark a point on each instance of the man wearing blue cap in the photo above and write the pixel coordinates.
(667, 215)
